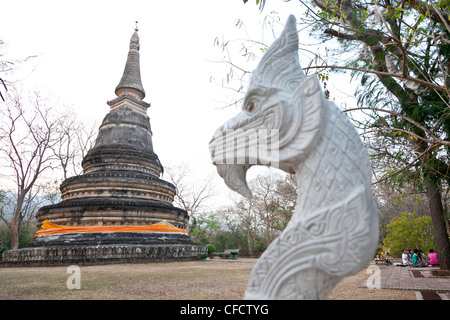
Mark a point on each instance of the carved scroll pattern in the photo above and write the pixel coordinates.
(329, 240)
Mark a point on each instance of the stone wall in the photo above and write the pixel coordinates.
(100, 254)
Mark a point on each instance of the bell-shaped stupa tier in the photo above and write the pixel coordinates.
(120, 184)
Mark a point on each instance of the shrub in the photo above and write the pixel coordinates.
(211, 248)
(5, 239)
(26, 234)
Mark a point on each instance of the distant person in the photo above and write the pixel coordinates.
(434, 262)
(405, 259)
(417, 260)
(422, 256)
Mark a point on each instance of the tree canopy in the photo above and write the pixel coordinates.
(407, 231)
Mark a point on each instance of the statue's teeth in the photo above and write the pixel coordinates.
(234, 176)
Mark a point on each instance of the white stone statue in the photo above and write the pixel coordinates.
(287, 123)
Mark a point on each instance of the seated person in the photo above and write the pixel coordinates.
(434, 262)
(417, 260)
(405, 259)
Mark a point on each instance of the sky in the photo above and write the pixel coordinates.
(81, 49)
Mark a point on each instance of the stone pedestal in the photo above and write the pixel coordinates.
(100, 254)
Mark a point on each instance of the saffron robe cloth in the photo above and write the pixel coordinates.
(48, 227)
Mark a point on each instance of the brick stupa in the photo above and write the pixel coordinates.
(120, 192)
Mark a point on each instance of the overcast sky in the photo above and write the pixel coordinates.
(82, 46)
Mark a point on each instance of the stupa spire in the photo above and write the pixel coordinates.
(131, 79)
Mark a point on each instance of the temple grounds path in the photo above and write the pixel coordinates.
(194, 280)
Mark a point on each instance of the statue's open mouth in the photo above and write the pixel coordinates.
(234, 176)
(238, 145)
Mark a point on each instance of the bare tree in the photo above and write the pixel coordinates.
(267, 214)
(190, 195)
(248, 221)
(274, 202)
(75, 139)
(28, 133)
(7, 66)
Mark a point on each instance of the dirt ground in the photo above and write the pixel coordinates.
(195, 280)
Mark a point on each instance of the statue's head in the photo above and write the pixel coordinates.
(276, 126)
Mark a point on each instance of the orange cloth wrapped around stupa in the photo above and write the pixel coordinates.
(48, 227)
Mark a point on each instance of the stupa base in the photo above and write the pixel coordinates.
(101, 254)
(104, 248)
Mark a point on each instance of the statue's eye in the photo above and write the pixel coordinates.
(251, 106)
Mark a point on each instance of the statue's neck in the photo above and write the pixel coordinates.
(331, 172)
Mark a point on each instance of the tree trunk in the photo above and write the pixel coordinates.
(439, 227)
(249, 242)
(17, 220)
(14, 236)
